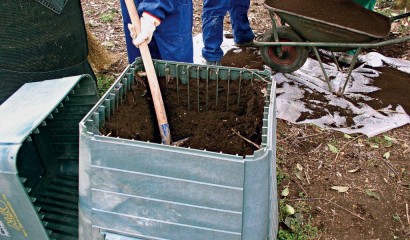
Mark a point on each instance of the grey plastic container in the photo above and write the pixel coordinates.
(39, 158)
(141, 190)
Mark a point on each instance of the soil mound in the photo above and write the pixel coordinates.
(394, 89)
(344, 13)
(243, 57)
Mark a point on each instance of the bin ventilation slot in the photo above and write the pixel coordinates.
(58, 205)
(184, 72)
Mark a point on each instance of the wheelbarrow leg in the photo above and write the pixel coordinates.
(354, 60)
(336, 62)
(275, 33)
(323, 69)
(274, 26)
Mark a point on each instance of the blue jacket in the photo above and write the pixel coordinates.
(172, 40)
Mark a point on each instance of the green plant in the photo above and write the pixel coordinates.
(301, 232)
(302, 194)
(108, 16)
(384, 141)
(293, 226)
(396, 217)
(104, 82)
(280, 176)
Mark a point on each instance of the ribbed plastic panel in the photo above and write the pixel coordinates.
(59, 206)
(45, 133)
(58, 199)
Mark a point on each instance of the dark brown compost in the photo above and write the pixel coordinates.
(344, 13)
(214, 126)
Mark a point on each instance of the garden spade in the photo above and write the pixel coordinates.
(152, 78)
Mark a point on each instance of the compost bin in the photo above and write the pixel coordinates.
(134, 189)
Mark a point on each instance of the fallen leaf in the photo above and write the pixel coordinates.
(373, 194)
(354, 170)
(108, 44)
(298, 175)
(347, 136)
(290, 223)
(390, 139)
(285, 192)
(332, 148)
(374, 146)
(289, 210)
(340, 189)
(299, 167)
(386, 155)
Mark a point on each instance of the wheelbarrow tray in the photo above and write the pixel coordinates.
(314, 27)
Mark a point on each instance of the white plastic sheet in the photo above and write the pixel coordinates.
(348, 114)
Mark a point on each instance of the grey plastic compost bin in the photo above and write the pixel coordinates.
(141, 190)
(39, 158)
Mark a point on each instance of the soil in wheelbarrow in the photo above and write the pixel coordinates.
(344, 13)
(222, 126)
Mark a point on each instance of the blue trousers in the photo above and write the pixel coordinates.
(213, 14)
(172, 40)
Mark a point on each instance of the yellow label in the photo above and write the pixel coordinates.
(10, 216)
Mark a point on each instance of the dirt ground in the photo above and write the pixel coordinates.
(371, 175)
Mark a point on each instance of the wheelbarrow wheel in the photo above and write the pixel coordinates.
(291, 58)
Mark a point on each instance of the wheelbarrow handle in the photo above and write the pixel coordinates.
(394, 18)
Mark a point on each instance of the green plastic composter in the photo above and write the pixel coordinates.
(142, 190)
(39, 158)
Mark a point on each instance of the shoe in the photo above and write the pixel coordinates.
(213, 63)
(345, 58)
(245, 44)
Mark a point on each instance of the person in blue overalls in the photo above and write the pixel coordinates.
(213, 14)
(167, 27)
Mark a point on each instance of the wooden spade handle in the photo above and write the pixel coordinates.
(152, 78)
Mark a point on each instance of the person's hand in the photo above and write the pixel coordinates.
(133, 30)
(148, 25)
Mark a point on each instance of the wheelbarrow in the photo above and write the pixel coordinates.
(285, 48)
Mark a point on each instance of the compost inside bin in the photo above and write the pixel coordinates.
(206, 118)
(344, 13)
